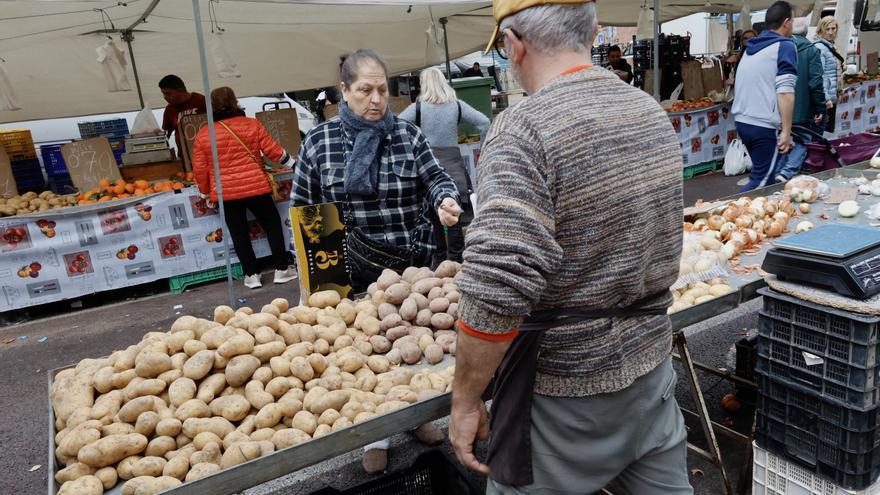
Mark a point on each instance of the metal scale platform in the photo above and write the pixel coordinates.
(844, 258)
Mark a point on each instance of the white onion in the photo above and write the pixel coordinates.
(875, 162)
(804, 227)
(848, 209)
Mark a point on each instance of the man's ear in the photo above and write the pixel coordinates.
(516, 47)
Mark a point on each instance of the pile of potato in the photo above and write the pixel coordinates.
(698, 293)
(208, 395)
(31, 202)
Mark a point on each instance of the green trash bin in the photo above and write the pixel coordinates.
(476, 92)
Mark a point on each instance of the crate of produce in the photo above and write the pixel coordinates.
(53, 160)
(840, 362)
(774, 475)
(18, 143)
(115, 128)
(432, 473)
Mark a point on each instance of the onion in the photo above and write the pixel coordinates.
(771, 207)
(715, 222)
(864, 189)
(759, 226)
(804, 227)
(712, 234)
(862, 180)
(743, 201)
(848, 209)
(731, 213)
(811, 195)
(726, 229)
(744, 221)
(875, 162)
(781, 217)
(804, 208)
(775, 229)
(875, 191)
(752, 236)
(699, 223)
(739, 237)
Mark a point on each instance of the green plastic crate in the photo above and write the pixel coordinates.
(476, 92)
(180, 283)
(693, 170)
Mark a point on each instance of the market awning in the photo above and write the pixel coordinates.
(50, 58)
(626, 12)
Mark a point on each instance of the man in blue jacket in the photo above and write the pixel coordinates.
(764, 103)
(809, 102)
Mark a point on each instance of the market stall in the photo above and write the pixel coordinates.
(858, 108)
(744, 279)
(704, 132)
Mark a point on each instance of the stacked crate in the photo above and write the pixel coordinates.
(674, 50)
(818, 373)
(19, 146)
(114, 130)
(56, 169)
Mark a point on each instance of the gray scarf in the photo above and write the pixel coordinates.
(362, 169)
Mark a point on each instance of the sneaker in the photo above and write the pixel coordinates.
(742, 182)
(780, 179)
(284, 276)
(252, 281)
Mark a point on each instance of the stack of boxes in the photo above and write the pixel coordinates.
(674, 50)
(19, 146)
(114, 130)
(818, 407)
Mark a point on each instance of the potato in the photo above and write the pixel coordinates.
(223, 314)
(78, 437)
(379, 364)
(364, 416)
(193, 347)
(153, 386)
(288, 437)
(397, 332)
(112, 449)
(198, 366)
(363, 346)
(370, 325)
(239, 453)
(425, 285)
(72, 472)
(123, 469)
(424, 341)
(318, 363)
(394, 357)
(387, 279)
(237, 345)
(134, 408)
(85, 485)
(160, 446)
(329, 400)
(184, 443)
(408, 309)
(256, 396)
(387, 407)
(176, 468)
(434, 354)
(380, 344)
(445, 341)
(193, 408)
(402, 393)
(210, 453)
(265, 352)
(386, 309)
(215, 337)
(211, 387)
(146, 423)
(280, 366)
(446, 269)
(269, 416)
(218, 426)
(240, 369)
(262, 320)
(324, 298)
(436, 293)
(263, 434)
(177, 372)
(169, 427)
(439, 305)
(154, 486)
(149, 466)
(231, 407)
(201, 470)
(322, 347)
(108, 477)
(103, 379)
(271, 310)
(322, 430)
(423, 318)
(204, 438)
(73, 388)
(181, 390)
(264, 335)
(133, 484)
(397, 293)
(442, 321)
(304, 421)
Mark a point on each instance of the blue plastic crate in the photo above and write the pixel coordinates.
(61, 184)
(53, 160)
(114, 128)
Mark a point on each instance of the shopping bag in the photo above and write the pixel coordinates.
(737, 160)
(145, 122)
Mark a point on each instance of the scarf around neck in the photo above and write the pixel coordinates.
(362, 169)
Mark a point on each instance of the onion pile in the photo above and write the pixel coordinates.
(698, 293)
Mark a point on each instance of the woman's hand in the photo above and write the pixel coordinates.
(829, 104)
(449, 212)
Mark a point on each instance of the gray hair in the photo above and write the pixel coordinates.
(800, 25)
(551, 28)
(351, 63)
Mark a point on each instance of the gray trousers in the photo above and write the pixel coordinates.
(636, 436)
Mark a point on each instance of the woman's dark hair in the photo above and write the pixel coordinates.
(225, 104)
(349, 64)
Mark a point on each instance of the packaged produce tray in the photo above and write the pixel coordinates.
(774, 475)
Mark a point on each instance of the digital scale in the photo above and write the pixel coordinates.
(844, 258)
(149, 142)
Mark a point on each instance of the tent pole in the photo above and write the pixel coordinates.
(197, 18)
(656, 50)
(128, 37)
(443, 22)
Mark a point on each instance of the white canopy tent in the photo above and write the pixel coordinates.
(625, 12)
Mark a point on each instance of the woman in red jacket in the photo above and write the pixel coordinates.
(241, 144)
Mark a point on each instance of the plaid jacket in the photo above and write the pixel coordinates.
(411, 184)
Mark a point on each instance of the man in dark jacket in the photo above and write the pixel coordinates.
(809, 98)
(619, 65)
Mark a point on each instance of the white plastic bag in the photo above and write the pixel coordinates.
(223, 61)
(645, 24)
(113, 62)
(744, 23)
(145, 122)
(737, 160)
(8, 101)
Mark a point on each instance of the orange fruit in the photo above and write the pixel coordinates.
(104, 199)
(120, 182)
(149, 190)
(129, 188)
(117, 189)
(141, 184)
(104, 182)
(124, 195)
(177, 186)
(139, 192)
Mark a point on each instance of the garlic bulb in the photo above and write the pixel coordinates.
(864, 189)
(862, 180)
(875, 162)
(848, 209)
(804, 227)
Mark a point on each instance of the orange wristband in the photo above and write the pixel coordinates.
(489, 337)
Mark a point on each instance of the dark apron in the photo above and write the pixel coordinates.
(510, 446)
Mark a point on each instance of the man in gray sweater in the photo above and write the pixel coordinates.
(566, 275)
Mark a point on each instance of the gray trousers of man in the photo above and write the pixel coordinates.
(636, 436)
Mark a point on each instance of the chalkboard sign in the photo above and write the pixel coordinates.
(283, 126)
(89, 161)
(189, 126)
(7, 180)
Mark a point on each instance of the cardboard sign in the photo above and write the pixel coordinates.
(872, 62)
(321, 250)
(89, 161)
(189, 127)
(713, 78)
(840, 194)
(283, 126)
(692, 77)
(7, 180)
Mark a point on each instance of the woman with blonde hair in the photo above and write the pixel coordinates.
(826, 34)
(438, 112)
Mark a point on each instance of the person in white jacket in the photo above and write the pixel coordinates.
(826, 34)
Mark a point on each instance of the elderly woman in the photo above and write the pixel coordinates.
(438, 113)
(383, 172)
(381, 169)
(826, 34)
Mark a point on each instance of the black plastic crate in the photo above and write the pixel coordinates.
(855, 327)
(61, 184)
(849, 470)
(432, 473)
(115, 128)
